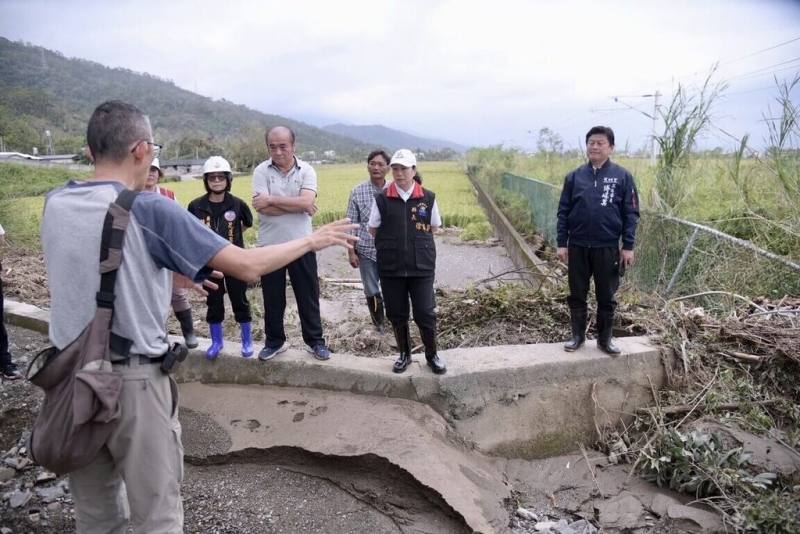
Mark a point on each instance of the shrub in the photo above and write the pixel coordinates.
(477, 231)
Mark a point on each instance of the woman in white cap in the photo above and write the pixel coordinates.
(403, 219)
(180, 301)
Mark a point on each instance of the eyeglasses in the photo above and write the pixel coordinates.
(216, 177)
(156, 147)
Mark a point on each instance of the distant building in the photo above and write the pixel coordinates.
(182, 167)
(330, 154)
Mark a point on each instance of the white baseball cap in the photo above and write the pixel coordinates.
(404, 157)
(157, 166)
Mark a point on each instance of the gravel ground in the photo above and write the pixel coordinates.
(283, 491)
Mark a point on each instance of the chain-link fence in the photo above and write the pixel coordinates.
(676, 257)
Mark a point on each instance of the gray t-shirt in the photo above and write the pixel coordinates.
(267, 178)
(161, 237)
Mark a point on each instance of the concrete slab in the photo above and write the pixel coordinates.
(520, 401)
(26, 316)
(527, 401)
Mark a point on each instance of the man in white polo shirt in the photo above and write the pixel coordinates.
(284, 195)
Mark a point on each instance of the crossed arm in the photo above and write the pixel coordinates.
(267, 204)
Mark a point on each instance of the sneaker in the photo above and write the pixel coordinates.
(320, 352)
(267, 353)
(10, 372)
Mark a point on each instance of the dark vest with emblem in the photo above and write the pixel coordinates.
(234, 216)
(404, 241)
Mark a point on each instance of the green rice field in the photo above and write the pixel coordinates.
(21, 216)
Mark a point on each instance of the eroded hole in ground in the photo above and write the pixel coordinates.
(287, 489)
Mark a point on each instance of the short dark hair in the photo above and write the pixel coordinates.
(601, 130)
(114, 128)
(291, 133)
(381, 153)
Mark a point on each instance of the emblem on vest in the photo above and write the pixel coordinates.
(230, 215)
(422, 209)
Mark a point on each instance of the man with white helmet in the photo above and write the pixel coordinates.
(180, 302)
(229, 217)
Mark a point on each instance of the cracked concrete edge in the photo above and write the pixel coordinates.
(26, 316)
(484, 387)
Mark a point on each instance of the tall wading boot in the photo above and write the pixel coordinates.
(375, 305)
(436, 364)
(187, 328)
(216, 340)
(577, 321)
(403, 338)
(605, 322)
(247, 339)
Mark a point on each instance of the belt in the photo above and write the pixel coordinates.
(143, 360)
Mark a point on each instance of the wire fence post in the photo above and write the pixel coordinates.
(681, 263)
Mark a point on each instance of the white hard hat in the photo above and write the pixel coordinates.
(404, 157)
(157, 166)
(216, 164)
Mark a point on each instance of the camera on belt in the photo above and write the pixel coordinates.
(175, 355)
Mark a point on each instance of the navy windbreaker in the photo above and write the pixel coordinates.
(598, 207)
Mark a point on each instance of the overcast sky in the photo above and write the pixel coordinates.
(474, 72)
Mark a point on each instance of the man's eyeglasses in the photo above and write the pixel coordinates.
(216, 177)
(156, 147)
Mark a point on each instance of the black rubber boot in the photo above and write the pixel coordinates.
(436, 364)
(375, 305)
(403, 338)
(605, 322)
(187, 328)
(577, 321)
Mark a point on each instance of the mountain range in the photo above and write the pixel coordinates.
(42, 90)
(393, 139)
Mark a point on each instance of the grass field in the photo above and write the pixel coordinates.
(711, 193)
(20, 211)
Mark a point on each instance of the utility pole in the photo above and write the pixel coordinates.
(653, 116)
(49, 136)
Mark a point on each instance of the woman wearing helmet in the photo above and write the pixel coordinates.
(180, 301)
(229, 217)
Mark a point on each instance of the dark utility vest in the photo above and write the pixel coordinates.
(404, 240)
(233, 215)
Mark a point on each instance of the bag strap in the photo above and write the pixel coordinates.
(113, 237)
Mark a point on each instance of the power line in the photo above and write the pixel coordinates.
(760, 51)
(749, 91)
(757, 71)
(770, 73)
(723, 62)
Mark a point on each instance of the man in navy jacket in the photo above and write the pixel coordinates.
(599, 207)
